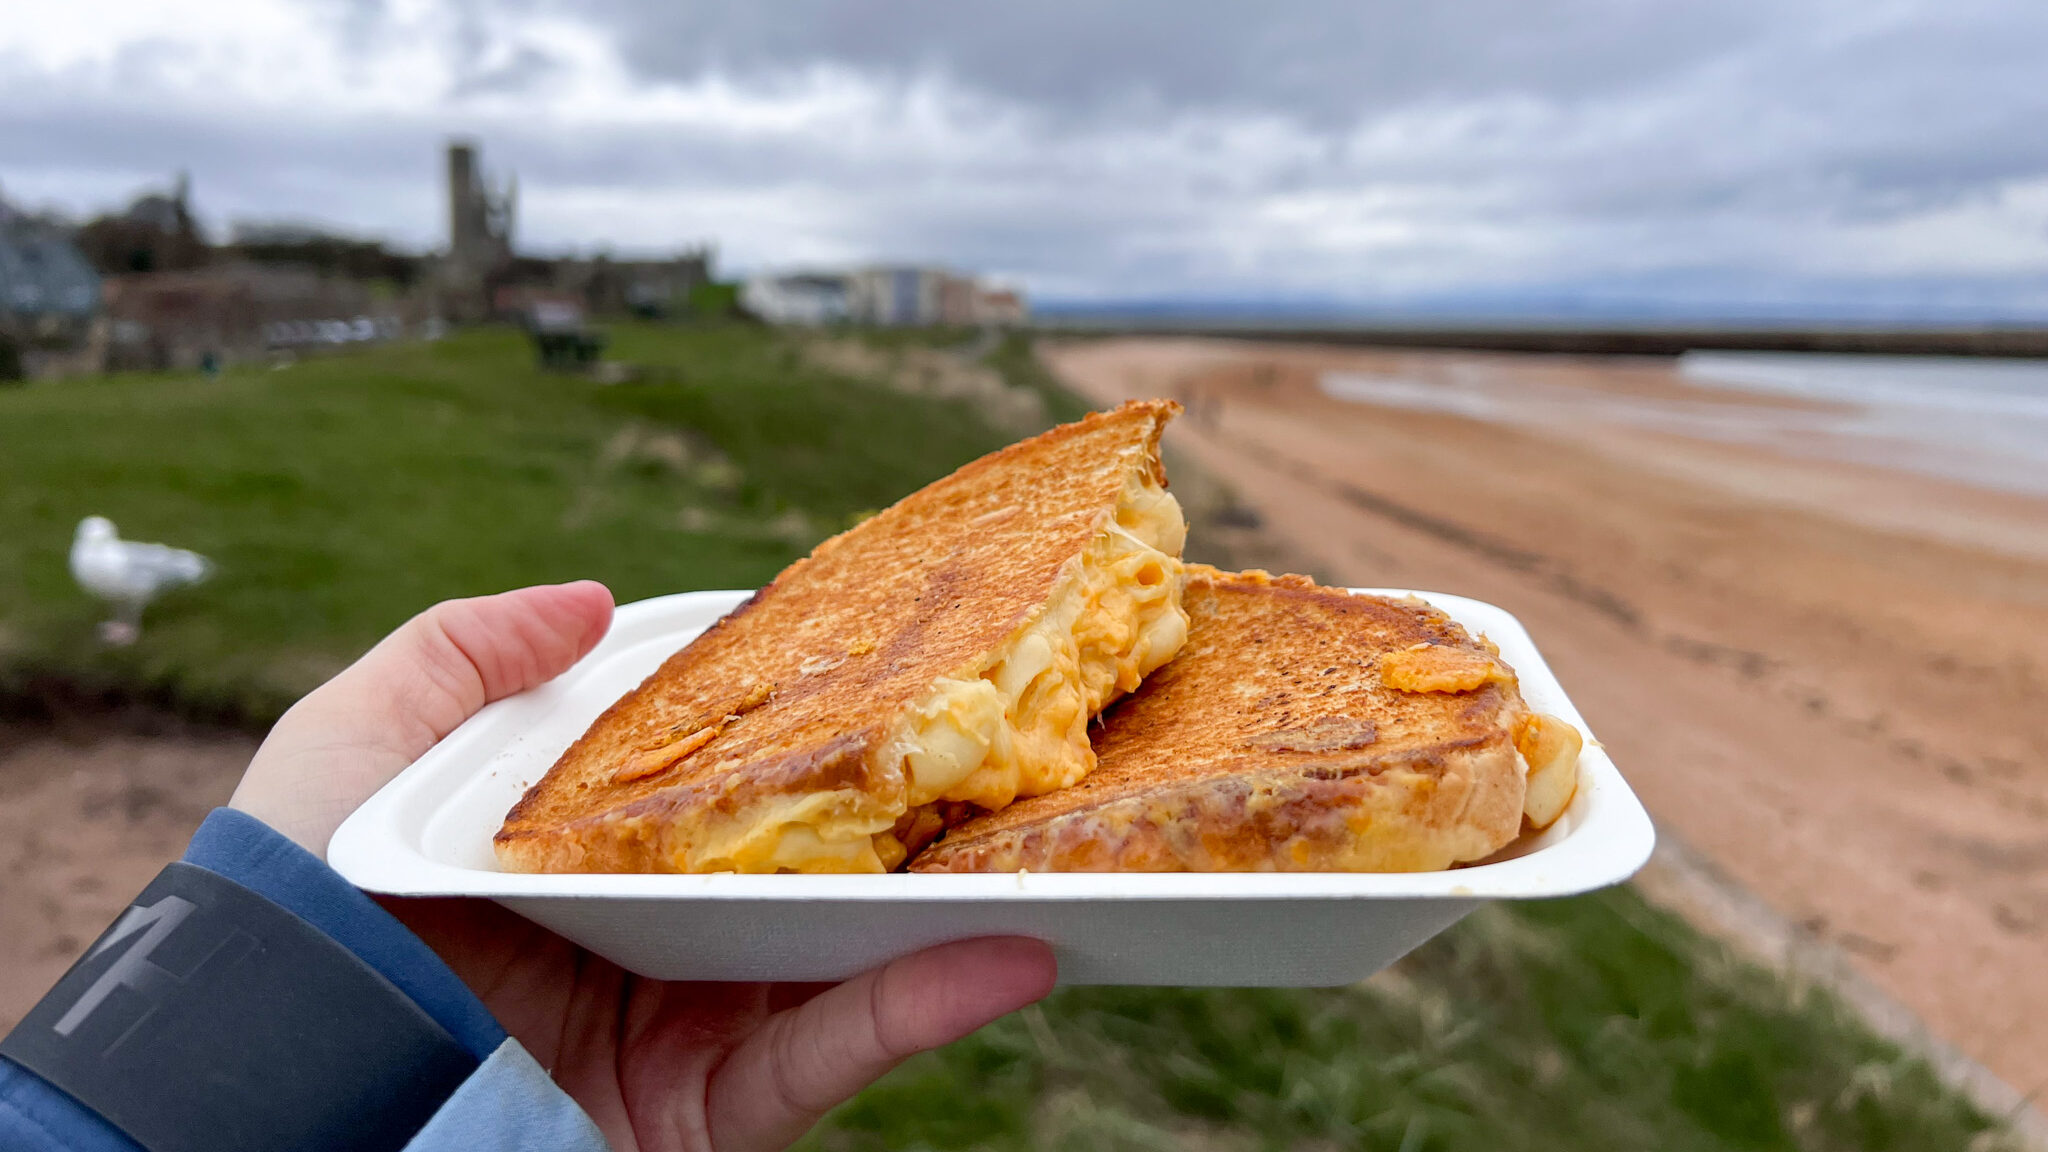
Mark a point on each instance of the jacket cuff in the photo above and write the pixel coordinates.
(244, 849)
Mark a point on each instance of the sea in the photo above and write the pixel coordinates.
(1978, 421)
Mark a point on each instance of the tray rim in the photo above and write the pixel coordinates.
(1610, 838)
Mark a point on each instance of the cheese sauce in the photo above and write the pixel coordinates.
(1016, 727)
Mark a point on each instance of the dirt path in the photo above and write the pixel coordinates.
(86, 819)
(1832, 680)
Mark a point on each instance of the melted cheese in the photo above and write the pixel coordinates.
(1550, 748)
(1442, 668)
(822, 832)
(1018, 725)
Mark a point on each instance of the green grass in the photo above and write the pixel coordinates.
(342, 495)
(1590, 1024)
(1015, 359)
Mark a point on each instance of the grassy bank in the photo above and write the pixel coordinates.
(341, 495)
(1594, 1023)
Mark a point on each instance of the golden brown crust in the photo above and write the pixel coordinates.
(1272, 743)
(844, 640)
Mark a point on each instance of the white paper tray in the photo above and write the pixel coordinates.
(428, 832)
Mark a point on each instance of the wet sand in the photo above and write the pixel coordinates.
(1831, 679)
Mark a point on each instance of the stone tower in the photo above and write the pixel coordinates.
(479, 229)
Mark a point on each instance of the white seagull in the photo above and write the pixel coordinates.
(128, 573)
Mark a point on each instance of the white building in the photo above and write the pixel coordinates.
(802, 298)
(896, 295)
(884, 295)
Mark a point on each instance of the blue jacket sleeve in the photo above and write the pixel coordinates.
(34, 1115)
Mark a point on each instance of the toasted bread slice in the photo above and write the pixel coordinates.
(946, 652)
(1301, 729)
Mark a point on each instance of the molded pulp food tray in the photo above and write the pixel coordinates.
(429, 832)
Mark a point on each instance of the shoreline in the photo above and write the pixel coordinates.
(1638, 410)
(1827, 679)
(2020, 339)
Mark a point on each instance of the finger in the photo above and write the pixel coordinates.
(444, 664)
(347, 738)
(781, 996)
(803, 1061)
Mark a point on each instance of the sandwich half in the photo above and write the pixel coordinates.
(943, 656)
(1301, 728)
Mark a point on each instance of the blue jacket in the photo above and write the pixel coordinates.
(508, 1102)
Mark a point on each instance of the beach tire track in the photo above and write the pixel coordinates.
(1553, 573)
(1766, 672)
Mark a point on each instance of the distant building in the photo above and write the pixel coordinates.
(959, 300)
(895, 296)
(1002, 307)
(890, 296)
(808, 298)
(482, 277)
(647, 288)
(480, 220)
(49, 293)
(240, 311)
(45, 281)
(966, 301)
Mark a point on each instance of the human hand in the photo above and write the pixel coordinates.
(350, 736)
(657, 1065)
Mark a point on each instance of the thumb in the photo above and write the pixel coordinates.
(805, 1060)
(444, 664)
(348, 737)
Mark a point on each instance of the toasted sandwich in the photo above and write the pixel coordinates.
(944, 656)
(1301, 729)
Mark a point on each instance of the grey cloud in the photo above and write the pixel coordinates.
(355, 23)
(1849, 109)
(1330, 60)
(1151, 148)
(522, 69)
(264, 162)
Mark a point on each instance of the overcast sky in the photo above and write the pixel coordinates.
(1886, 154)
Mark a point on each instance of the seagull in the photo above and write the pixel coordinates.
(128, 573)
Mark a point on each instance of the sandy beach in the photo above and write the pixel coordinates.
(1827, 677)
